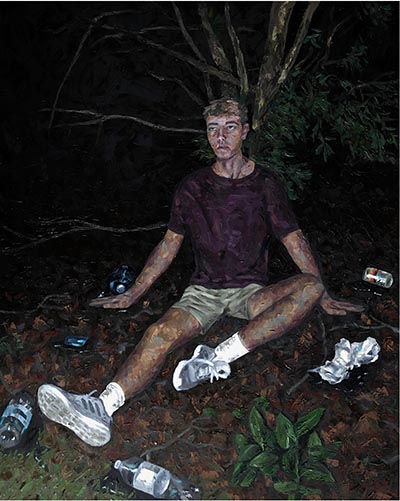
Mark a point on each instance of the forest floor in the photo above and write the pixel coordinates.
(193, 433)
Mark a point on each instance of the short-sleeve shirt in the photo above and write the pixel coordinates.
(230, 223)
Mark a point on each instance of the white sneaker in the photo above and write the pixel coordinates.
(203, 366)
(83, 414)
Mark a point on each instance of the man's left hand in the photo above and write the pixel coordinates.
(333, 307)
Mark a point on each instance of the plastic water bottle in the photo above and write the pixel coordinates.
(154, 480)
(144, 476)
(121, 279)
(16, 419)
(378, 277)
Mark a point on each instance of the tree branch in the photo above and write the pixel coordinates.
(203, 67)
(239, 58)
(40, 305)
(99, 117)
(83, 226)
(86, 35)
(147, 453)
(271, 65)
(186, 34)
(194, 48)
(190, 93)
(273, 72)
(355, 325)
(216, 49)
(301, 33)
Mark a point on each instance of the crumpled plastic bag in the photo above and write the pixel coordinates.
(347, 357)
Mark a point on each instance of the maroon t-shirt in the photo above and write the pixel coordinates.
(230, 223)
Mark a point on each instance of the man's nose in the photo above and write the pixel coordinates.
(221, 133)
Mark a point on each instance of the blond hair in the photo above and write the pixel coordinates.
(226, 105)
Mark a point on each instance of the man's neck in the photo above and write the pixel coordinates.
(234, 168)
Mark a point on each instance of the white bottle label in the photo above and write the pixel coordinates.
(151, 479)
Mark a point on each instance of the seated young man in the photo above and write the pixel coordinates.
(229, 210)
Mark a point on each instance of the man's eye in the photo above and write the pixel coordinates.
(232, 127)
(211, 129)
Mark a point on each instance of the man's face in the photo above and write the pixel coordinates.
(225, 134)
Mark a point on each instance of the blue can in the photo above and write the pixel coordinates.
(75, 341)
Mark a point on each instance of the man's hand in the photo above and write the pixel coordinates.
(158, 261)
(121, 301)
(333, 307)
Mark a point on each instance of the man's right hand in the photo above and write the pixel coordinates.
(157, 263)
(122, 301)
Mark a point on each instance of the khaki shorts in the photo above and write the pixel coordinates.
(209, 305)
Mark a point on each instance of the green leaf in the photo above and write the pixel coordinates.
(313, 474)
(264, 460)
(319, 149)
(284, 432)
(238, 469)
(248, 479)
(271, 442)
(248, 452)
(261, 403)
(314, 440)
(240, 441)
(290, 462)
(320, 452)
(286, 487)
(209, 411)
(309, 421)
(257, 427)
(270, 470)
(307, 491)
(237, 413)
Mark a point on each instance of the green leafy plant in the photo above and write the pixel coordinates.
(290, 453)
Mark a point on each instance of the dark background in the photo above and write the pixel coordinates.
(122, 174)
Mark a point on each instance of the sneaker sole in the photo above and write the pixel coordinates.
(58, 408)
(176, 379)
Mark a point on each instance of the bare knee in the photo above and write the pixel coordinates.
(311, 285)
(169, 333)
(160, 334)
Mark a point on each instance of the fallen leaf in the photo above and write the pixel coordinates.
(389, 344)
(382, 495)
(333, 462)
(338, 432)
(367, 423)
(210, 475)
(39, 323)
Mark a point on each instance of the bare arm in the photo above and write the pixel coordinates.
(157, 263)
(301, 253)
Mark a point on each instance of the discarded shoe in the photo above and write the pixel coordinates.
(203, 366)
(83, 414)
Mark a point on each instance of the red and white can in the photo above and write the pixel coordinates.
(378, 277)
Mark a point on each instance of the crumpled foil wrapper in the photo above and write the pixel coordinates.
(347, 357)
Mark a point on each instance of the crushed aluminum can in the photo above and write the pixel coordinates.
(347, 357)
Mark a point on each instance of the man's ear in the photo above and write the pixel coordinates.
(245, 131)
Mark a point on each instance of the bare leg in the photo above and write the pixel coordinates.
(279, 308)
(174, 329)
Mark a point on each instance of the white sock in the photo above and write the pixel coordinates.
(113, 398)
(231, 349)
